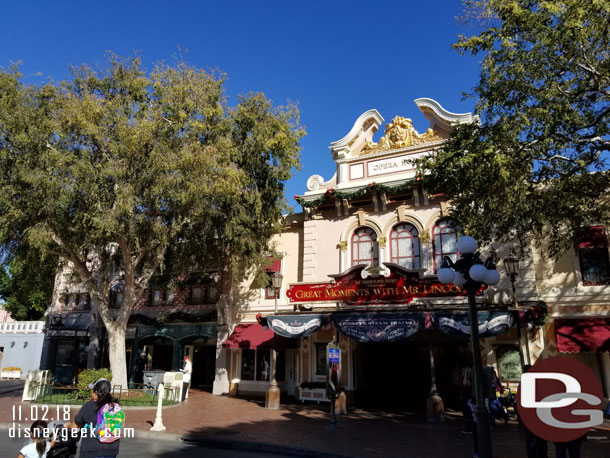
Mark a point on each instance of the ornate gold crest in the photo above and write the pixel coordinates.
(400, 133)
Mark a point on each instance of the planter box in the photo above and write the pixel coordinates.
(313, 394)
(10, 374)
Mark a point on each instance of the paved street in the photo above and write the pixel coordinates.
(140, 448)
(224, 421)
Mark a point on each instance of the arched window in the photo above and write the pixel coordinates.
(364, 247)
(444, 241)
(404, 246)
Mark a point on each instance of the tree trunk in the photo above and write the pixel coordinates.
(116, 353)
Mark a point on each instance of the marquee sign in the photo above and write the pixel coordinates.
(362, 285)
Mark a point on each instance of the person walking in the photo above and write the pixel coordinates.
(39, 447)
(535, 446)
(86, 417)
(186, 379)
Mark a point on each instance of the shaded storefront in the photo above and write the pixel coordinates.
(165, 345)
(66, 346)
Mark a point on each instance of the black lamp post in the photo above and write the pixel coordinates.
(470, 272)
(511, 266)
(272, 396)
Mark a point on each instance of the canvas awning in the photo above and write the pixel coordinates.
(379, 326)
(582, 335)
(491, 323)
(297, 325)
(594, 237)
(253, 335)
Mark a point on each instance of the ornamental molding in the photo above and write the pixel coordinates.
(400, 133)
(316, 182)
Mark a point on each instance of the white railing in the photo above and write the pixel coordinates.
(20, 327)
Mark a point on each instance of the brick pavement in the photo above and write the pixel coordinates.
(362, 433)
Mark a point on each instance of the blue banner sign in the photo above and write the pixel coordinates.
(458, 323)
(379, 327)
(334, 355)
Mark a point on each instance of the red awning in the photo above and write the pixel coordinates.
(255, 336)
(594, 237)
(587, 334)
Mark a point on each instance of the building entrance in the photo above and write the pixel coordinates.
(397, 376)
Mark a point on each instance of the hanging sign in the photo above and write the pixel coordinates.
(458, 323)
(297, 325)
(379, 327)
(360, 286)
(334, 355)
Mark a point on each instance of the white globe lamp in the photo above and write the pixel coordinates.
(446, 275)
(467, 244)
(478, 272)
(492, 277)
(459, 279)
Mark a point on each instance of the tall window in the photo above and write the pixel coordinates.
(364, 247)
(404, 246)
(256, 365)
(593, 257)
(444, 241)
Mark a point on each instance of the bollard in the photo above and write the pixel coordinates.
(158, 426)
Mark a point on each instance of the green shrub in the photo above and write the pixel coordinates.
(88, 376)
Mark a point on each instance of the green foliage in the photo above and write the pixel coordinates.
(26, 282)
(89, 376)
(537, 161)
(123, 170)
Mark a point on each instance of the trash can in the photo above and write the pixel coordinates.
(153, 377)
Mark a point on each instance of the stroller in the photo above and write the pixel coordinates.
(62, 449)
(497, 411)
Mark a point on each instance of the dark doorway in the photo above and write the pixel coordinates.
(396, 375)
(204, 367)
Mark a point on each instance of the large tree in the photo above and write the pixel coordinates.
(26, 282)
(118, 170)
(536, 162)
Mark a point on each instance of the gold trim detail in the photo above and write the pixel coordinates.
(382, 241)
(400, 133)
(424, 237)
(342, 245)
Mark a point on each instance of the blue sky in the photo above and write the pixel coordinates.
(336, 58)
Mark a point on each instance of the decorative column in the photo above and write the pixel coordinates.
(342, 255)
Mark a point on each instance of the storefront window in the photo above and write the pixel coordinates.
(364, 247)
(263, 367)
(404, 246)
(247, 364)
(321, 359)
(444, 242)
(593, 257)
(256, 365)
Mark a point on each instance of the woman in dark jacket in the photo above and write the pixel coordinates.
(86, 417)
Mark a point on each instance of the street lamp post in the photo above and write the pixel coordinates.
(272, 396)
(511, 266)
(470, 272)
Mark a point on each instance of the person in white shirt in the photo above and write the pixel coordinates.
(39, 446)
(186, 379)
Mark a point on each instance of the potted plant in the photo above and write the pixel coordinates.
(11, 372)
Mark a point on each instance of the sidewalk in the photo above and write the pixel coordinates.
(299, 429)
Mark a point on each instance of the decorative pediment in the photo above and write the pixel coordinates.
(399, 134)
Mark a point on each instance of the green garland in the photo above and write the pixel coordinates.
(537, 314)
(388, 189)
(351, 195)
(359, 192)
